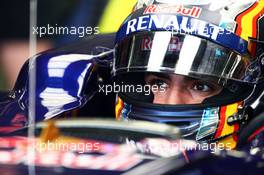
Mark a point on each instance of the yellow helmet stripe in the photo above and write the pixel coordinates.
(247, 21)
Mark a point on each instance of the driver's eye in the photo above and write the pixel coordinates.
(160, 83)
(202, 86)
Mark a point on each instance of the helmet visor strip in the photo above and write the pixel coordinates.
(167, 52)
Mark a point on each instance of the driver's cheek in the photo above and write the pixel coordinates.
(175, 96)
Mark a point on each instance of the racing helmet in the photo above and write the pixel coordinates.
(214, 41)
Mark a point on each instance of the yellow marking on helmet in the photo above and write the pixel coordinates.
(230, 110)
(248, 25)
(115, 13)
(228, 142)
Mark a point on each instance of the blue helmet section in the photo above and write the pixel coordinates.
(184, 25)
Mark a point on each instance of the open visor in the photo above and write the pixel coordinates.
(182, 54)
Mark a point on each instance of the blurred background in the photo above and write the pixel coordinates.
(106, 15)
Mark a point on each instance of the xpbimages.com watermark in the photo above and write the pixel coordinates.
(130, 88)
(80, 31)
(80, 147)
(165, 147)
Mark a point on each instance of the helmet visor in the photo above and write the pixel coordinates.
(168, 52)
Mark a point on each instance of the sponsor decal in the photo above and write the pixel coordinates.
(146, 43)
(209, 123)
(180, 24)
(178, 9)
(174, 45)
(195, 2)
(177, 24)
